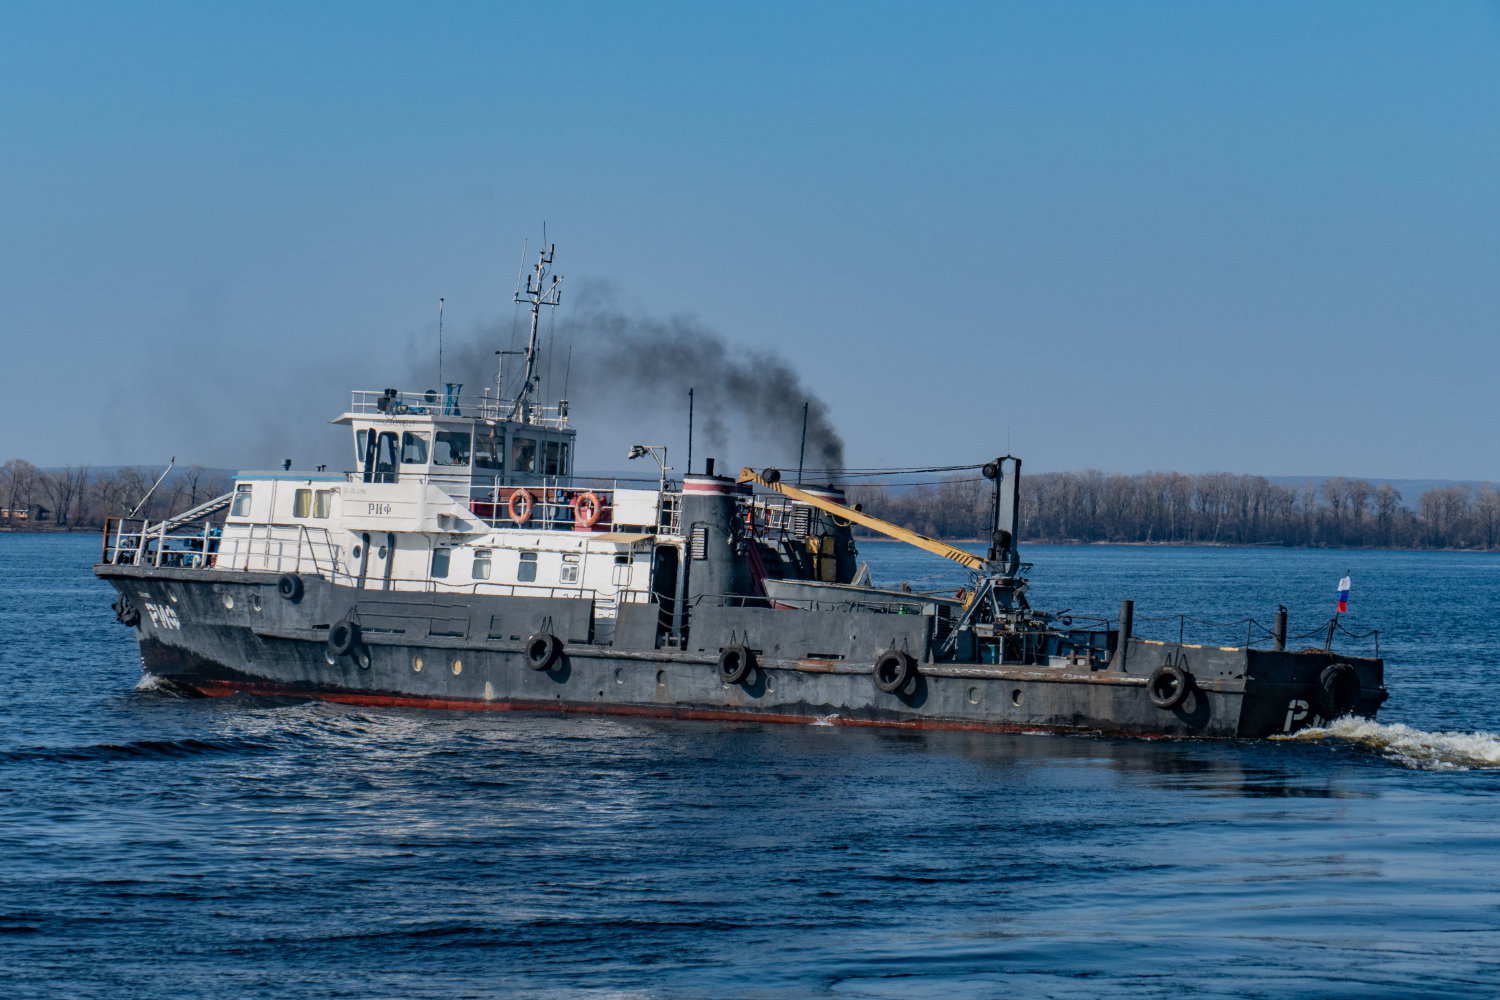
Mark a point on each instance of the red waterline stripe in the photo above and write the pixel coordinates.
(220, 690)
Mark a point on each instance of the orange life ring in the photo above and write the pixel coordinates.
(521, 512)
(587, 509)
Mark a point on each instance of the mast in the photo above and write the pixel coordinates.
(539, 292)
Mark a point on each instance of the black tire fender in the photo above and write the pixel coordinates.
(542, 651)
(735, 663)
(343, 637)
(1336, 691)
(894, 670)
(1168, 686)
(126, 613)
(290, 587)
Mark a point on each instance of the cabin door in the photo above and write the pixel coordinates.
(664, 585)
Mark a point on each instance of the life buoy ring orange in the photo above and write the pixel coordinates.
(521, 505)
(587, 509)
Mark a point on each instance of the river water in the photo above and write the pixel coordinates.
(159, 847)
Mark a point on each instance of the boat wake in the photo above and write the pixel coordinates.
(1413, 748)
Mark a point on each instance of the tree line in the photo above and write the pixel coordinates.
(80, 496)
(1211, 508)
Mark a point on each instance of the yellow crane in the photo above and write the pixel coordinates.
(771, 480)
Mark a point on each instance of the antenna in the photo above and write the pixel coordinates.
(440, 342)
(538, 292)
(802, 453)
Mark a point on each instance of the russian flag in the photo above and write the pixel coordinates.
(1344, 595)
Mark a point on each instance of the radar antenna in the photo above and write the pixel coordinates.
(539, 292)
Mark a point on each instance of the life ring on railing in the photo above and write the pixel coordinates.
(587, 509)
(521, 504)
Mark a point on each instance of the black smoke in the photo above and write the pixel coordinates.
(619, 366)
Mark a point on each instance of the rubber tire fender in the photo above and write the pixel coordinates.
(343, 638)
(1168, 686)
(1336, 691)
(543, 650)
(894, 669)
(126, 613)
(290, 587)
(735, 663)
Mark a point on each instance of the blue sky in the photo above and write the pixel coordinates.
(1253, 237)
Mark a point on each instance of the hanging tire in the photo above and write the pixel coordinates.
(894, 670)
(542, 651)
(1168, 686)
(290, 586)
(126, 613)
(735, 664)
(343, 637)
(1336, 692)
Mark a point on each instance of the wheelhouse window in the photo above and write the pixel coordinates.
(322, 503)
(302, 503)
(413, 448)
(380, 458)
(526, 572)
(523, 455)
(553, 465)
(360, 437)
(481, 564)
(489, 449)
(451, 448)
(440, 561)
(241, 506)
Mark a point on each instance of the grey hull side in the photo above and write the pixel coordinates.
(217, 633)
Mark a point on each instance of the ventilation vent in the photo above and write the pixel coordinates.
(699, 548)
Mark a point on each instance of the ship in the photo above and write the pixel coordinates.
(461, 563)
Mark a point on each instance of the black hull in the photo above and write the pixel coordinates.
(217, 633)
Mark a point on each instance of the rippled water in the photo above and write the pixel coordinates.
(161, 847)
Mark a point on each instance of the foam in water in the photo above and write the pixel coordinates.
(1414, 748)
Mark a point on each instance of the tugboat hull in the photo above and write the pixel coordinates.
(215, 636)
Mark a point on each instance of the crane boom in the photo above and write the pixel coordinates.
(873, 523)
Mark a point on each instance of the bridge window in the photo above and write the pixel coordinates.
(553, 464)
(322, 501)
(526, 573)
(385, 458)
(481, 564)
(523, 455)
(489, 449)
(359, 448)
(302, 503)
(241, 501)
(413, 448)
(440, 560)
(452, 448)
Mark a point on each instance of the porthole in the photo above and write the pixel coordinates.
(171, 597)
(255, 601)
(328, 657)
(380, 552)
(770, 683)
(363, 658)
(416, 664)
(458, 666)
(355, 551)
(973, 696)
(228, 600)
(661, 678)
(619, 675)
(1015, 697)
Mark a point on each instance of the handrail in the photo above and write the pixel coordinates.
(895, 531)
